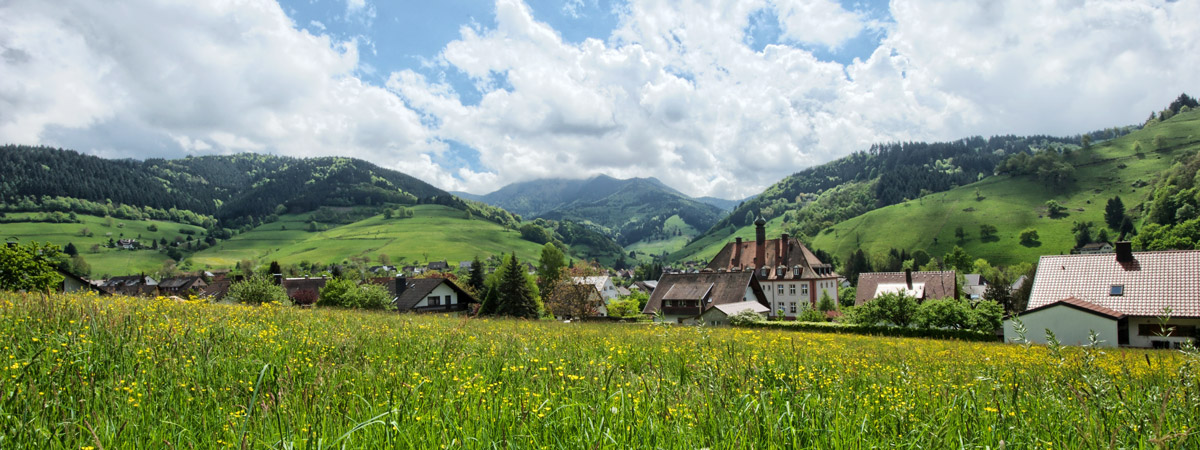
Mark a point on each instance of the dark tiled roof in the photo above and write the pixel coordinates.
(181, 282)
(1151, 282)
(418, 289)
(937, 284)
(1082, 305)
(795, 254)
(688, 291)
(727, 287)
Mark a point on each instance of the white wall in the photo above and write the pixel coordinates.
(1071, 326)
(442, 291)
(1136, 340)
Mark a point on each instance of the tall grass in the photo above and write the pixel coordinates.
(82, 371)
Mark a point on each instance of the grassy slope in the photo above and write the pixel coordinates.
(1013, 204)
(434, 233)
(646, 248)
(107, 261)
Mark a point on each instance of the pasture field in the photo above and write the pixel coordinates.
(434, 233)
(104, 261)
(116, 372)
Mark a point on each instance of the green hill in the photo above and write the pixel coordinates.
(102, 259)
(634, 212)
(1015, 203)
(434, 233)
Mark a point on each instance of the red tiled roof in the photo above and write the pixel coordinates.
(774, 255)
(1151, 282)
(1083, 305)
(937, 285)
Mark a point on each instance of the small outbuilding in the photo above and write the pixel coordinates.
(720, 314)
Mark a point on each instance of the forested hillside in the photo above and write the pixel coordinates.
(814, 199)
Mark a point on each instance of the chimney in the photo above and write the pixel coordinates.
(760, 242)
(401, 285)
(908, 278)
(1124, 252)
(785, 247)
(737, 251)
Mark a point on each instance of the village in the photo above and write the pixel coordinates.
(1104, 295)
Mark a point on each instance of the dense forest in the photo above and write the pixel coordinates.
(235, 190)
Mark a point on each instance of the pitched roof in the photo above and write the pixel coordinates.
(598, 282)
(730, 309)
(1149, 283)
(722, 288)
(416, 289)
(789, 252)
(974, 279)
(941, 284)
(180, 282)
(1082, 305)
(688, 291)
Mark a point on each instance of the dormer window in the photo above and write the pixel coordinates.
(1116, 290)
(796, 271)
(765, 272)
(780, 271)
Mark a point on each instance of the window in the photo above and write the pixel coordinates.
(792, 289)
(1154, 329)
(781, 289)
(1116, 289)
(796, 271)
(780, 271)
(793, 307)
(765, 272)
(804, 289)
(435, 301)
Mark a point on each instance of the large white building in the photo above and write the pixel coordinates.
(791, 276)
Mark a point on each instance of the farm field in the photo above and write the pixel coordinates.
(93, 372)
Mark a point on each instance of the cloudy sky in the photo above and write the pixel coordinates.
(714, 97)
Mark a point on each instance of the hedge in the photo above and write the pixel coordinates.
(877, 330)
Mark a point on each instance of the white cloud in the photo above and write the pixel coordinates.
(674, 92)
(199, 77)
(822, 22)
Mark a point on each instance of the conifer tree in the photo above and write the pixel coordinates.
(476, 278)
(515, 297)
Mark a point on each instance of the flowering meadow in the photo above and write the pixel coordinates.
(81, 371)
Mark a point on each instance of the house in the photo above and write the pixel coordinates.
(182, 286)
(131, 285)
(128, 244)
(1120, 296)
(792, 277)
(465, 265)
(219, 285)
(603, 284)
(974, 286)
(720, 314)
(1095, 247)
(73, 283)
(685, 297)
(646, 286)
(303, 291)
(381, 268)
(429, 295)
(439, 266)
(919, 285)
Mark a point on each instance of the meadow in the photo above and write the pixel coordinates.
(116, 372)
(104, 260)
(434, 233)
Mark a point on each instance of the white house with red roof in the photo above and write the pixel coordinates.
(1123, 297)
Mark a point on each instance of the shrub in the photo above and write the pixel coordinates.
(625, 307)
(846, 295)
(893, 308)
(257, 290)
(349, 294)
(874, 330)
(811, 315)
(745, 318)
(826, 303)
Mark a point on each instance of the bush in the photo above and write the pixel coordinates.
(812, 315)
(745, 318)
(349, 294)
(625, 307)
(826, 303)
(874, 330)
(846, 296)
(892, 308)
(257, 290)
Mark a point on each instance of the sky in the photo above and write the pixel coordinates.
(713, 97)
